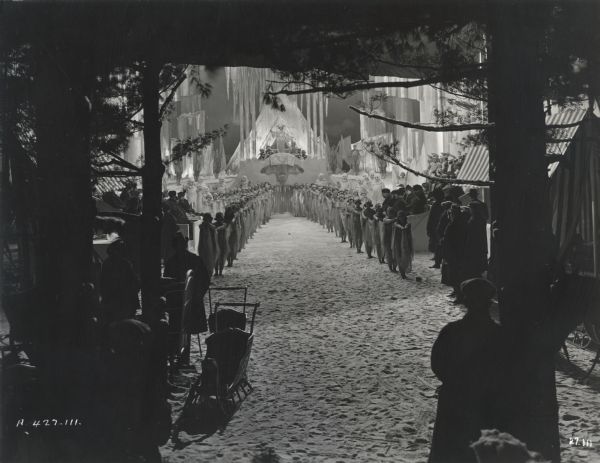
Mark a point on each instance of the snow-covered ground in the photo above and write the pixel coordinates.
(340, 362)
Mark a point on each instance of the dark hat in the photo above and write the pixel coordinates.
(477, 290)
(385, 190)
(207, 216)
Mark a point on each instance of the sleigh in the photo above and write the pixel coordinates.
(223, 382)
(583, 296)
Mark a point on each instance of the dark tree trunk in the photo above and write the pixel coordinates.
(66, 217)
(524, 245)
(152, 174)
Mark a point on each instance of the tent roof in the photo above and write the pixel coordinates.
(476, 165)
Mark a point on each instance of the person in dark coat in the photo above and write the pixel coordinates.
(453, 248)
(119, 285)
(465, 357)
(441, 230)
(181, 261)
(416, 200)
(136, 413)
(433, 220)
(474, 198)
(168, 230)
(184, 203)
(476, 248)
(398, 202)
(177, 267)
(387, 198)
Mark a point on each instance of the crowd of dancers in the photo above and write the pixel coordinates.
(457, 234)
(222, 236)
(217, 243)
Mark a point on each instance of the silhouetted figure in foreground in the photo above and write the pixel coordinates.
(137, 414)
(119, 285)
(177, 267)
(464, 358)
(182, 260)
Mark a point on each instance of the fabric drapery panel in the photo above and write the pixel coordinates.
(573, 192)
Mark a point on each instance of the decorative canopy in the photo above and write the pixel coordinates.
(300, 119)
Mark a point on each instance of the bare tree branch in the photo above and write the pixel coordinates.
(171, 94)
(427, 128)
(121, 162)
(115, 173)
(460, 95)
(431, 68)
(448, 181)
(373, 85)
(566, 126)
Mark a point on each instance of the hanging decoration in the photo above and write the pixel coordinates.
(219, 161)
(246, 87)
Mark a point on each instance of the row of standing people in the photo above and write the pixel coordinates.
(458, 239)
(219, 242)
(385, 232)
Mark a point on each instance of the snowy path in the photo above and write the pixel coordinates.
(340, 362)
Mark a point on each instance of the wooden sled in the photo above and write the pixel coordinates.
(223, 383)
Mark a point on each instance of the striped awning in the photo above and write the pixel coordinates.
(562, 117)
(102, 169)
(476, 165)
